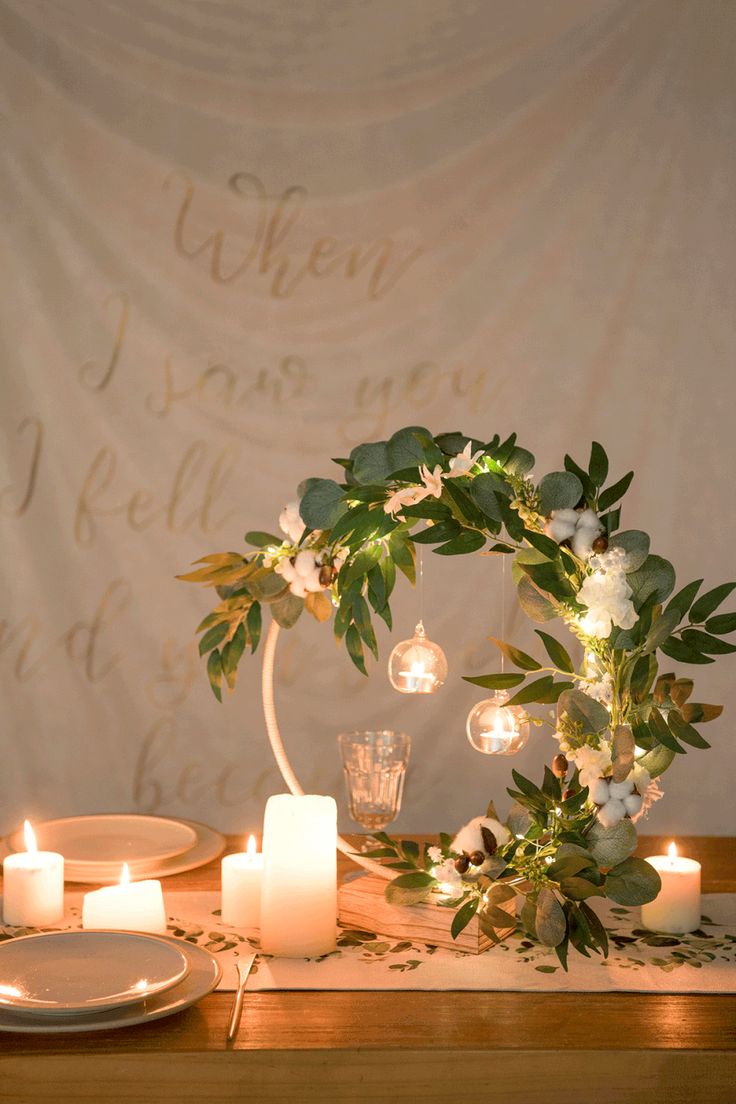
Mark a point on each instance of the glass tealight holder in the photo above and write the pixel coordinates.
(417, 666)
(495, 728)
(374, 764)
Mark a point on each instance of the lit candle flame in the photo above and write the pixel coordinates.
(251, 848)
(30, 838)
(672, 852)
(125, 875)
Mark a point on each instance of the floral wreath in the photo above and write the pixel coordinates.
(619, 721)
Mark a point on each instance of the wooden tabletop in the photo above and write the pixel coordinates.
(410, 1046)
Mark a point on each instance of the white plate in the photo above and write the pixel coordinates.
(86, 971)
(208, 845)
(203, 976)
(110, 839)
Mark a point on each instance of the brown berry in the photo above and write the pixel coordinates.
(477, 858)
(462, 865)
(568, 793)
(559, 766)
(326, 574)
(600, 544)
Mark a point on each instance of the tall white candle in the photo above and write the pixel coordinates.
(676, 908)
(242, 874)
(299, 896)
(33, 885)
(128, 906)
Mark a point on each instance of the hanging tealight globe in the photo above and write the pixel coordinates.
(417, 666)
(495, 728)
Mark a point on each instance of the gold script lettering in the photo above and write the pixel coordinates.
(10, 504)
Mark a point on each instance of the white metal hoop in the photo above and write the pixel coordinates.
(282, 760)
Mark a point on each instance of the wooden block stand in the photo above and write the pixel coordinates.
(361, 904)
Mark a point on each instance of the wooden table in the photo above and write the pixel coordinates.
(519, 1048)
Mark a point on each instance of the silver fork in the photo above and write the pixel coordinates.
(245, 966)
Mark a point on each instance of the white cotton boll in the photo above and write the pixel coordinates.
(611, 813)
(297, 587)
(570, 517)
(312, 583)
(589, 520)
(582, 542)
(286, 569)
(621, 789)
(290, 522)
(599, 791)
(633, 803)
(469, 838)
(559, 529)
(304, 563)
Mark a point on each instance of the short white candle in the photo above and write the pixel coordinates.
(242, 874)
(299, 897)
(33, 885)
(676, 908)
(417, 679)
(128, 906)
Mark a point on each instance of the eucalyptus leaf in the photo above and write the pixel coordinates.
(635, 544)
(580, 709)
(656, 576)
(559, 491)
(405, 449)
(550, 920)
(322, 504)
(535, 605)
(287, 610)
(370, 462)
(610, 846)
(633, 882)
(656, 761)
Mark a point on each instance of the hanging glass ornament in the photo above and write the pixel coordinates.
(417, 666)
(495, 728)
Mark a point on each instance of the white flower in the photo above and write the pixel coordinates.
(463, 462)
(592, 762)
(601, 691)
(607, 595)
(409, 496)
(447, 876)
(435, 854)
(470, 838)
(290, 522)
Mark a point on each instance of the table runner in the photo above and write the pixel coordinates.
(639, 961)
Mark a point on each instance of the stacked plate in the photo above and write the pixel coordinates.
(96, 980)
(95, 847)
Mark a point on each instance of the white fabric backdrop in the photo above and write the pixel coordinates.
(240, 237)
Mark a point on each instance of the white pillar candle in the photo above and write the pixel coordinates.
(33, 885)
(676, 908)
(128, 906)
(299, 897)
(242, 874)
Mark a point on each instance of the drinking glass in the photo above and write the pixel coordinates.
(374, 764)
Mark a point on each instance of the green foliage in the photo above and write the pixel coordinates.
(558, 857)
(559, 491)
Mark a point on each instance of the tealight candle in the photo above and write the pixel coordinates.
(299, 899)
(33, 885)
(676, 908)
(128, 906)
(241, 887)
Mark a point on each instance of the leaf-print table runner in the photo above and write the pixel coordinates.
(639, 960)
